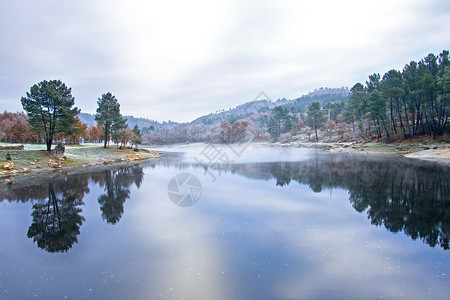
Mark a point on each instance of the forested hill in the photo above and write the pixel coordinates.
(240, 111)
(298, 105)
(322, 95)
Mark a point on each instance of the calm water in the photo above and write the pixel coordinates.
(248, 223)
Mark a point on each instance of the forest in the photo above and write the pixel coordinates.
(411, 102)
(399, 105)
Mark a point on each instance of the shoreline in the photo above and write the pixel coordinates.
(434, 152)
(31, 165)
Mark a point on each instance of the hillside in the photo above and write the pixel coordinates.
(240, 111)
(299, 105)
(322, 95)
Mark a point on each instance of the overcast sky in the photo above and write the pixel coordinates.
(178, 60)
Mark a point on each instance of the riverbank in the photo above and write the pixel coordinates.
(419, 149)
(33, 162)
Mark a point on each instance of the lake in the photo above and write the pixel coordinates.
(238, 222)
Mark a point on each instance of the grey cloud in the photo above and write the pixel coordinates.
(265, 46)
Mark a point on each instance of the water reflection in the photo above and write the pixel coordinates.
(56, 223)
(57, 212)
(401, 195)
(117, 191)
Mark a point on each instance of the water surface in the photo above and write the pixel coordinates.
(268, 223)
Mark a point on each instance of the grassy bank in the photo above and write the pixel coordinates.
(31, 161)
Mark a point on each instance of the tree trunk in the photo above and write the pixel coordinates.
(49, 145)
(407, 120)
(397, 104)
(106, 135)
(386, 129)
(315, 128)
(392, 117)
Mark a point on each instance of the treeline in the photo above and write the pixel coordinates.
(411, 102)
(51, 116)
(15, 128)
(400, 105)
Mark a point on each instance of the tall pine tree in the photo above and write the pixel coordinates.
(108, 114)
(316, 118)
(49, 108)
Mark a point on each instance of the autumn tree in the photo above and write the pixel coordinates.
(239, 129)
(79, 131)
(49, 108)
(235, 132)
(14, 127)
(331, 124)
(226, 132)
(94, 133)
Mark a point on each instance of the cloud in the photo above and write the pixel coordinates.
(178, 60)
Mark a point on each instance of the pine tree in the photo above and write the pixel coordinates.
(49, 109)
(316, 118)
(137, 135)
(108, 115)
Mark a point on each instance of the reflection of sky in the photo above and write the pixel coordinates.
(257, 240)
(244, 239)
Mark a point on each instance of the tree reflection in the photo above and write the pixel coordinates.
(57, 204)
(57, 221)
(117, 191)
(401, 195)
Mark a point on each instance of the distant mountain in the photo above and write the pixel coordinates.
(144, 122)
(240, 111)
(322, 95)
(89, 119)
(343, 91)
